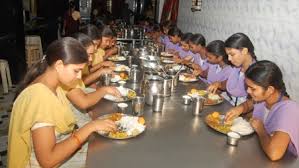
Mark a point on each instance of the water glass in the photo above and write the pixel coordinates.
(138, 105)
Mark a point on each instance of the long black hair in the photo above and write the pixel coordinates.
(198, 39)
(240, 41)
(217, 48)
(186, 37)
(175, 31)
(266, 73)
(67, 49)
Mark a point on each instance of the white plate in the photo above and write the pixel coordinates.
(166, 54)
(242, 126)
(117, 58)
(117, 78)
(128, 123)
(168, 61)
(178, 67)
(123, 91)
(182, 78)
(121, 68)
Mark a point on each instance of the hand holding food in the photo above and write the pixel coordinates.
(109, 90)
(233, 113)
(104, 125)
(108, 64)
(212, 88)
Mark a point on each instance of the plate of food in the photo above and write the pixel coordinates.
(211, 99)
(126, 93)
(166, 54)
(167, 61)
(128, 126)
(184, 77)
(120, 77)
(216, 121)
(117, 58)
(121, 68)
(197, 92)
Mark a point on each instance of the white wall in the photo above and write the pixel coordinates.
(273, 26)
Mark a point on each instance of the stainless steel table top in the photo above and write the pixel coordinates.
(177, 139)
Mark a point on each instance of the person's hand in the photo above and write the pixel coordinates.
(111, 91)
(257, 124)
(177, 60)
(212, 88)
(195, 66)
(103, 125)
(233, 113)
(105, 71)
(197, 72)
(108, 64)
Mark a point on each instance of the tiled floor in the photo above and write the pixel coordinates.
(5, 109)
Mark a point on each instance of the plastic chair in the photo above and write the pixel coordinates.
(5, 76)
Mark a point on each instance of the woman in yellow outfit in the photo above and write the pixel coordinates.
(41, 121)
(102, 41)
(81, 97)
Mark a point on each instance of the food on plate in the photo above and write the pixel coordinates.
(141, 120)
(239, 125)
(194, 92)
(187, 77)
(214, 121)
(121, 68)
(123, 76)
(216, 115)
(115, 117)
(212, 96)
(166, 54)
(127, 126)
(213, 99)
(116, 58)
(131, 94)
(118, 135)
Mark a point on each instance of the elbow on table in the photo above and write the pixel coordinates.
(47, 163)
(83, 105)
(275, 155)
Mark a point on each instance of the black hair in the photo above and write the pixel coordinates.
(156, 28)
(107, 32)
(217, 48)
(67, 49)
(198, 39)
(92, 31)
(186, 37)
(83, 39)
(175, 31)
(266, 73)
(240, 41)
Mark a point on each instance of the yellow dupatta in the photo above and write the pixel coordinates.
(36, 104)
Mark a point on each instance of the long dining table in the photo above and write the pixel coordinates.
(175, 138)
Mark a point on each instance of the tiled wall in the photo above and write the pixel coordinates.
(273, 26)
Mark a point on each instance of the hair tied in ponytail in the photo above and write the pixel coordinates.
(43, 59)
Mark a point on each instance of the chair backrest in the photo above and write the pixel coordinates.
(34, 40)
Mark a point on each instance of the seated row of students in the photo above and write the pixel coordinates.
(191, 49)
(252, 85)
(42, 122)
(42, 119)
